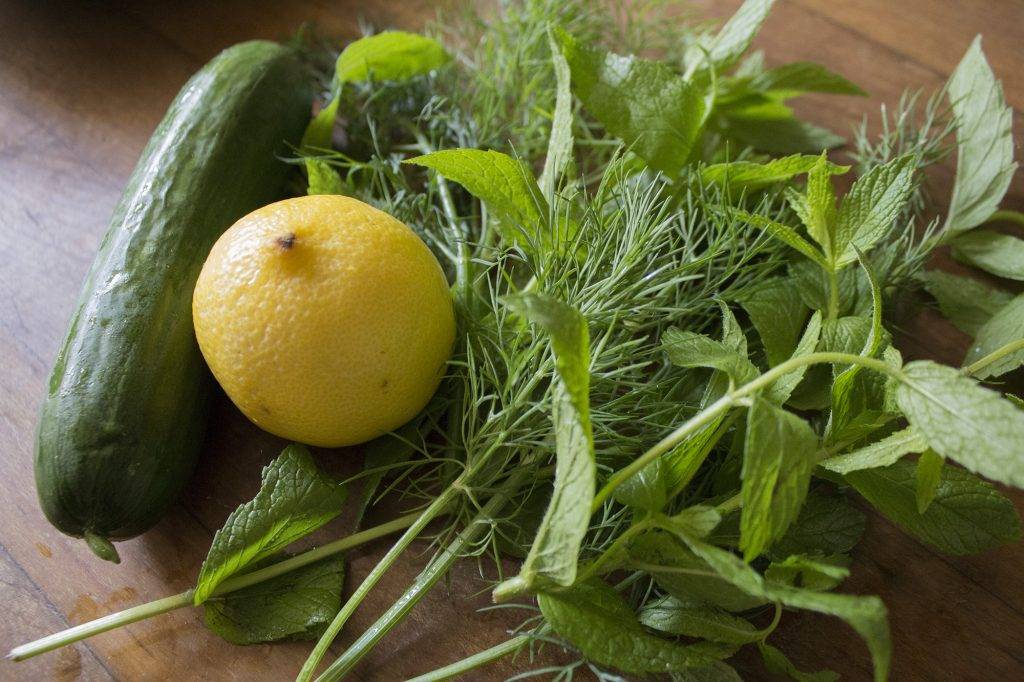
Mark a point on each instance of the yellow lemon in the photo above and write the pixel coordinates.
(326, 321)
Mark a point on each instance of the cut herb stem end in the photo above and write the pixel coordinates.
(177, 601)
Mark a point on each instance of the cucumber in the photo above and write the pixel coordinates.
(123, 419)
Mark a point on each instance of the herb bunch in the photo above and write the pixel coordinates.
(674, 370)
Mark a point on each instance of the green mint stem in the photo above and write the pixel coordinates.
(436, 508)
(464, 265)
(1007, 216)
(726, 402)
(177, 601)
(434, 571)
(95, 627)
(833, 295)
(994, 356)
(477, 660)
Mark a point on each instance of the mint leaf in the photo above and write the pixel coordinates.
(682, 462)
(814, 572)
(676, 468)
(812, 280)
(322, 178)
(775, 129)
(646, 489)
(683, 574)
(677, 617)
(690, 349)
(964, 301)
(751, 176)
(928, 475)
(798, 78)
(818, 209)
(733, 38)
(698, 520)
(652, 109)
(732, 332)
(295, 498)
(844, 335)
(1000, 254)
(389, 56)
(966, 515)
(378, 455)
(984, 139)
(505, 184)
(964, 421)
(870, 208)
(849, 334)
(783, 233)
(783, 388)
(866, 615)
(780, 666)
(826, 525)
(597, 621)
(556, 546)
(778, 458)
(560, 140)
(320, 129)
(778, 314)
(1006, 325)
(879, 454)
(719, 671)
(851, 396)
(295, 605)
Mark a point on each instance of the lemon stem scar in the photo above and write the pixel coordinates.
(286, 242)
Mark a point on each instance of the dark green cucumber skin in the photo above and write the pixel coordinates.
(125, 412)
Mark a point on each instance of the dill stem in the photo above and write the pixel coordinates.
(997, 354)
(464, 264)
(726, 402)
(435, 508)
(427, 578)
(477, 660)
(177, 601)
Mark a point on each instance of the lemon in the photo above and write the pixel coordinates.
(325, 320)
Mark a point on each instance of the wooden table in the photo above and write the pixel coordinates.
(81, 87)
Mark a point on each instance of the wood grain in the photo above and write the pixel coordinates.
(81, 87)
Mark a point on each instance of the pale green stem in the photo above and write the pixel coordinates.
(95, 627)
(436, 508)
(1007, 216)
(726, 402)
(833, 294)
(437, 568)
(997, 354)
(177, 601)
(475, 661)
(464, 265)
